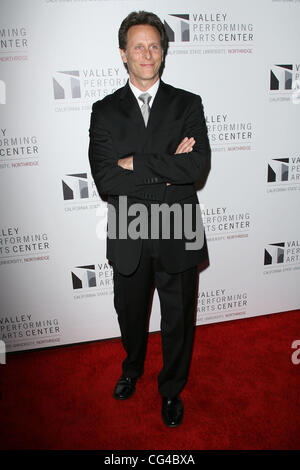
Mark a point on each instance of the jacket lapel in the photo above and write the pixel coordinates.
(129, 106)
(158, 109)
(130, 110)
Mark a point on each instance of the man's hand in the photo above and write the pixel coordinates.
(185, 146)
(126, 163)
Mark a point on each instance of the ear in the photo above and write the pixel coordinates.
(123, 55)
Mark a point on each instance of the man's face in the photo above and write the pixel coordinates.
(143, 54)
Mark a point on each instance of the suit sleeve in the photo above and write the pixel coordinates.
(180, 168)
(109, 178)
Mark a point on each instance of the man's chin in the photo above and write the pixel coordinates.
(150, 76)
(145, 77)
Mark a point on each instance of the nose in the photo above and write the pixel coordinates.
(147, 53)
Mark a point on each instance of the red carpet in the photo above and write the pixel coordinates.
(243, 393)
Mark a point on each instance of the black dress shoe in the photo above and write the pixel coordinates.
(172, 411)
(125, 388)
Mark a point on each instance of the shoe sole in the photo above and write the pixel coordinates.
(117, 397)
(171, 425)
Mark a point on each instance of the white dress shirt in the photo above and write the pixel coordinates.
(152, 91)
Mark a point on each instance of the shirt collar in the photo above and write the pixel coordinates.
(152, 91)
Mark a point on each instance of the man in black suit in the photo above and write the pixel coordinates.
(148, 148)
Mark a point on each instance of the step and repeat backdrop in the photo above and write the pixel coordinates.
(57, 57)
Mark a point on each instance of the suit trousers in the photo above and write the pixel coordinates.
(177, 295)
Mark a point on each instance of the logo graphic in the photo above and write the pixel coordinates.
(2, 92)
(274, 254)
(66, 85)
(281, 77)
(278, 170)
(84, 277)
(75, 186)
(283, 173)
(178, 28)
(285, 255)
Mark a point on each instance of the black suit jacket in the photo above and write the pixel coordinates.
(117, 130)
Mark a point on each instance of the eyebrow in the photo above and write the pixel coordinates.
(151, 43)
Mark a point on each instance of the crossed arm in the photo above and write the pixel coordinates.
(125, 176)
(185, 146)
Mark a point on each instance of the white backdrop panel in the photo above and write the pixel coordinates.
(57, 57)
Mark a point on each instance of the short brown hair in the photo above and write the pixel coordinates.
(143, 17)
